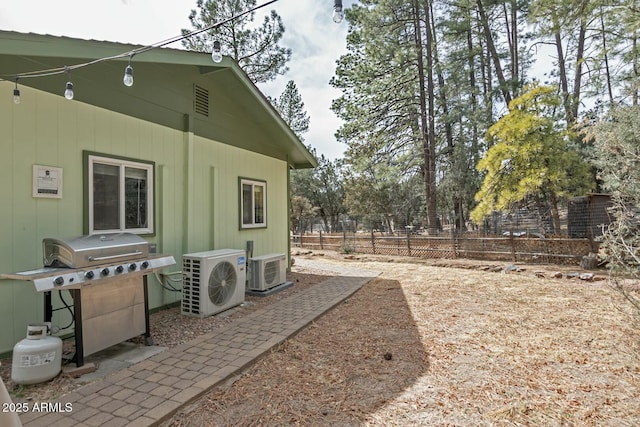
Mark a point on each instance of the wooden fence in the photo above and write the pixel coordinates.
(514, 249)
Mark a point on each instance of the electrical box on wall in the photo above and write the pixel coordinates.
(47, 182)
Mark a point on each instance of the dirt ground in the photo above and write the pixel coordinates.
(432, 345)
(429, 343)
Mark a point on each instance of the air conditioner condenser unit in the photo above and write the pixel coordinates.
(212, 281)
(267, 271)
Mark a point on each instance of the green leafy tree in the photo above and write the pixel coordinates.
(381, 198)
(327, 192)
(369, 198)
(324, 188)
(530, 158)
(301, 211)
(255, 48)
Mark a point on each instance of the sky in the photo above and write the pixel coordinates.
(315, 40)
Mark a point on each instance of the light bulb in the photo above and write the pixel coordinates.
(216, 54)
(128, 76)
(68, 92)
(16, 95)
(338, 14)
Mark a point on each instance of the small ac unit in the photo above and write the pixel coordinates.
(267, 271)
(212, 281)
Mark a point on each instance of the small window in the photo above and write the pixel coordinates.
(253, 203)
(120, 195)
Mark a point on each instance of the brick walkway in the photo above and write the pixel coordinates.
(153, 390)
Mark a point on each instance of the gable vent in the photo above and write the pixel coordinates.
(201, 100)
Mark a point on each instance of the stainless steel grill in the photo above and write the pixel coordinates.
(87, 251)
(107, 277)
(80, 261)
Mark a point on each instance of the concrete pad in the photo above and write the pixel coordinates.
(270, 291)
(118, 357)
(75, 371)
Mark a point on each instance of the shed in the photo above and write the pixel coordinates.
(588, 215)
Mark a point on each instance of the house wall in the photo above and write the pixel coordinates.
(196, 189)
(216, 220)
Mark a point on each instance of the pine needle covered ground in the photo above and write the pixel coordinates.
(427, 345)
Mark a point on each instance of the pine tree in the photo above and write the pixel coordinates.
(387, 103)
(256, 50)
(291, 108)
(617, 153)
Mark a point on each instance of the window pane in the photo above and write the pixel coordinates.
(247, 205)
(259, 204)
(135, 198)
(105, 196)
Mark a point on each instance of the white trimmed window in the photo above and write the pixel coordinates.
(253, 203)
(120, 195)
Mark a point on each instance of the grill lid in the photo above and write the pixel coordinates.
(85, 251)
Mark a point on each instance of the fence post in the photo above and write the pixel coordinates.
(321, 247)
(513, 245)
(548, 249)
(373, 242)
(301, 245)
(409, 242)
(344, 238)
(453, 243)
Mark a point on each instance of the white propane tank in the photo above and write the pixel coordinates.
(37, 358)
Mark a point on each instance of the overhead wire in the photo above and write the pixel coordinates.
(131, 53)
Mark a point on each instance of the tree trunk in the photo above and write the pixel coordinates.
(515, 58)
(606, 58)
(636, 67)
(491, 47)
(511, 26)
(564, 84)
(427, 118)
(555, 215)
(448, 131)
(577, 82)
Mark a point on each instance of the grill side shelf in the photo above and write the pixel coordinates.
(32, 275)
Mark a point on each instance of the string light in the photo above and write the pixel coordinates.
(68, 92)
(128, 74)
(216, 54)
(16, 94)
(338, 16)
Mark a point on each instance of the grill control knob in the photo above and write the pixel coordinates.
(132, 267)
(145, 264)
(58, 281)
(119, 269)
(104, 272)
(89, 275)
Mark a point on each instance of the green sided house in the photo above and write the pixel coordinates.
(191, 157)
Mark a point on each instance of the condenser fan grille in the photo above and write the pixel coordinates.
(222, 283)
(271, 271)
